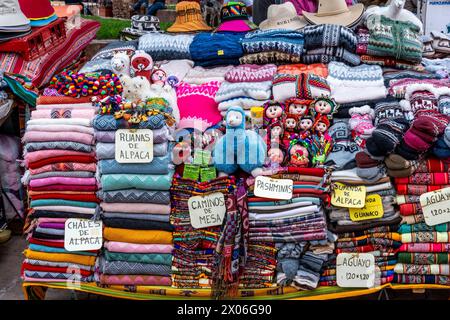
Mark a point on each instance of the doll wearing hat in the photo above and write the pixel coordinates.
(321, 140)
(324, 106)
(275, 134)
(291, 123)
(273, 112)
(305, 126)
(298, 106)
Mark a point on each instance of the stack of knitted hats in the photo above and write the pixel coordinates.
(328, 42)
(135, 197)
(424, 256)
(60, 158)
(246, 86)
(272, 46)
(389, 43)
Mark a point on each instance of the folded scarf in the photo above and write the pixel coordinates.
(49, 136)
(61, 128)
(141, 236)
(137, 216)
(52, 122)
(419, 258)
(284, 214)
(137, 224)
(154, 258)
(108, 123)
(417, 189)
(135, 280)
(107, 150)
(60, 257)
(42, 248)
(60, 187)
(69, 269)
(61, 113)
(128, 268)
(63, 145)
(421, 279)
(159, 165)
(135, 196)
(111, 182)
(143, 208)
(425, 236)
(160, 135)
(44, 263)
(61, 202)
(435, 269)
(425, 178)
(72, 174)
(425, 247)
(126, 247)
(43, 157)
(55, 214)
(358, 227)
(65, 166)
(64, 181)
(89, 197)
(72, 209)
(286, 41)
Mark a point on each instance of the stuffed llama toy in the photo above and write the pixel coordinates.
(239, 147)
(121, 64)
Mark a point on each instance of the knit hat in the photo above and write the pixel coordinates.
(441, 42)
(205, 113)
(361, 121)
(282, 16)
(397, 162)
(189, 18)
(251, 73)
(444, 104)
(388, 109)
(423, 96)
(407, 152)
(386, 137)
(343, 153)
(233, 17)
(441, 149)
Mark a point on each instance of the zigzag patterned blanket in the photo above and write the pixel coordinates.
(135, 196)
(111, 182)
(63, 145)
(154, 258)
(159, 165)
(108, 122)
(126, 267)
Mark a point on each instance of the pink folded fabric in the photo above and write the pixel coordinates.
(145, 208)
(63, 113)
(61, 128)
(63, 180)
(45, 220)
(425, 247)
(45, 136)
(116, 246)
(45, 154)
(65, 166)
(87, 105)
(86, 211)
(135, 280)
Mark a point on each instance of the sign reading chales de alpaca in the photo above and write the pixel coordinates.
(134, 146)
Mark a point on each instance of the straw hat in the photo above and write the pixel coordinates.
(282, 16)
(189, 18)
(335, 12)
(11, 15)
(233, 17)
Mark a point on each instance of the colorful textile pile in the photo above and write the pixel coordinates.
(135, 202)
(61, 163)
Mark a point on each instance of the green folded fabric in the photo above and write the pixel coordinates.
(423, 258)
(61, 202)
(160, 182)
(154, 258)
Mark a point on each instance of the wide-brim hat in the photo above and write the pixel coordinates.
(234, 18)
(335, 12)
(282, 16)
(11, 14)
(37, 9)
(237, 26)
(189, 18)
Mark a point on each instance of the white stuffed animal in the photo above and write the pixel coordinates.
(129, 93)
(141, 87)
(121, 64)
(167, 92)
(395, 11)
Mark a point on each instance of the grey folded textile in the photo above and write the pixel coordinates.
(72, 174)
(106, 150)
(159, 135)
(135, 196)
(125, 267)
(138, 216)
(60, 145)
(59, 232)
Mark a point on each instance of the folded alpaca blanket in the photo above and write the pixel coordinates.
(135, 224)
(107, 150)
(36, 276)
(56, 122)
(135, 196)
(425, 236)
(435, 269)
(125, 247)
(61, 202)
(419, 258)
(60, 257)
(65, 167)
(143, 208)
(61, 113)
(63, 180)
(72, 174)
(159, 165)
(159, 135)
(81, 196)
(61, 128)
(111, 182)
(108, 122)
(70, 209)
(143, 280)
(138, 236)
(157, 258)
(137, 216)
(47, 155)
(127, 268)
(48, 136)
(421, 279)
(63, 145)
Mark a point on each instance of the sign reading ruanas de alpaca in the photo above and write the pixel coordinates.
(280, 189)
(82, 235)
(436, 206)
(207, 211)
(355, 270)
(134, 146)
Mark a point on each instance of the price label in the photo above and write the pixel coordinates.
(207, 211)
(82, 235)
(347, 196)
(202, 157)
(207, 174)
(191, 171)
(134, 146)
(436, 206)
(373, 209)
(266, 187)
(355, 270)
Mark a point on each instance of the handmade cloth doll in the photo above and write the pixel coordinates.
(321, 124)
(291, 124)
(273, 112)
(276, 156)
(298, 106)
(321, 141)
(305, 126)
(142, 64)
(298, 154)
(158, 77)
(276, 132)
(239, 147)
(120, 63)
(323, 106)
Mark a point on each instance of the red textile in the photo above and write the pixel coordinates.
(417, 189)
(433, 165)
(44, 162)
(75, 197)
(62, 187)
(409, 209)
(61, 100)
(30, 267)
(316, 172)
(425, 178)
(55, 244)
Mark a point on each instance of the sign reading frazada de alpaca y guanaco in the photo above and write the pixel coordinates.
(82, 235)
(207, 211)
(355, 270)
(373, 209)
(436, 206)
(347, 196)
(134, 146)
(280, 189)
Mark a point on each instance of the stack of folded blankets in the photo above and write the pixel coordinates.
(325, 43)
(389, 43)
(423, 257)
(297, 227)
(61, 163)
(377, 236)
(278, 46)
(195, 251)
(247, 85)
(216, 49)
(135, 202)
